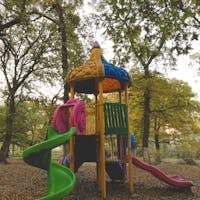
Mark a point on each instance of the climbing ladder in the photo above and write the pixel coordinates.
(116, 130)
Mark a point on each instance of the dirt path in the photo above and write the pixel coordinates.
(20, 181)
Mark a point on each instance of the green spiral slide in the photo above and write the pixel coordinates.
(61, 180)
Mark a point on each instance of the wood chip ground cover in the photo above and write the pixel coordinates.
(19, 181)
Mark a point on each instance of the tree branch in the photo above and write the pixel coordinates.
(9, 24)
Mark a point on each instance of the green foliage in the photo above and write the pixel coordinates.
(189, 150)
(174, 112)
(31, 122)
(35, 53)
(18, 154)
(142, 29)
(147, 32)
(38, 33)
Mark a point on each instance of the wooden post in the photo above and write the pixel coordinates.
(98, 171)
(120, 97)
(130, 165)
(102, 142)
(71, 141)
(96, 115)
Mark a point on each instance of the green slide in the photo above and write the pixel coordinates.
(61, 180)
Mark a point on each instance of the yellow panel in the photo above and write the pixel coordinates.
(93, 68)
(90, 119)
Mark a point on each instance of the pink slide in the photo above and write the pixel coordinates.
(172, 180)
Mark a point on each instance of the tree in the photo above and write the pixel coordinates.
(145, 32)
(63, 15)
(14, 17)
(172, 108)
(30, 124)
(32, 121)
(24, 56)
(66, 20)
(31, 52)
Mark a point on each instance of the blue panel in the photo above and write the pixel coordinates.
(115, 72)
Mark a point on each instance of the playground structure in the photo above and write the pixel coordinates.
(109, 145)
(98, 77)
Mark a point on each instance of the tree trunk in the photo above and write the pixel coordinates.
(63, 33)
(146, 156)
(66, 92)
(13, 150)
(145, 139)
(157, 144)
(5, 148)
(4, 151)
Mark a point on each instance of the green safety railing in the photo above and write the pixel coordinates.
(115, 118)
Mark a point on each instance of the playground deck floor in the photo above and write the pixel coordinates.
(21, 181)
